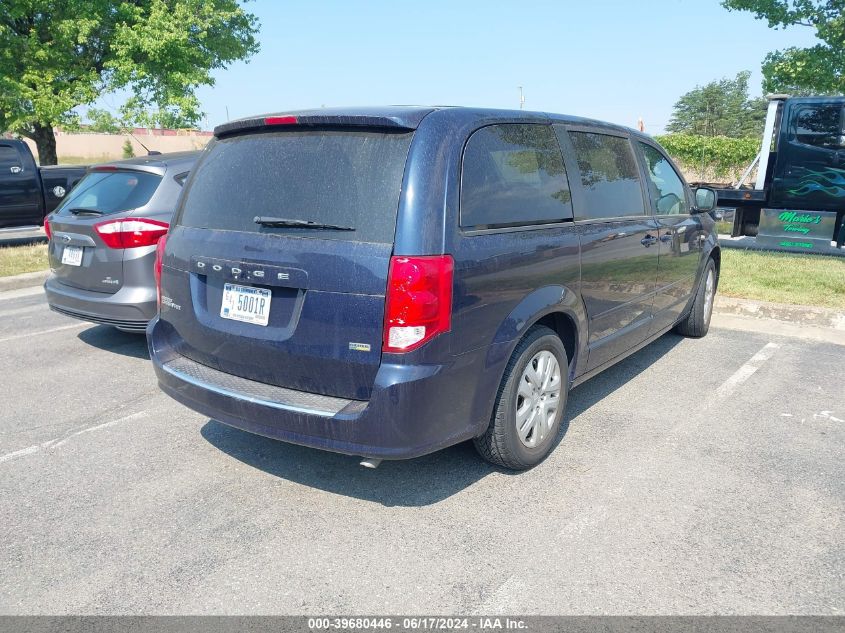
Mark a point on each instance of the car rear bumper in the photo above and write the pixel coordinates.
(413, 410)
(130, 308)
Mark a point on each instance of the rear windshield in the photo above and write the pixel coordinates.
(343, 178)
(110, 192)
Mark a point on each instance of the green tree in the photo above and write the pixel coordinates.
(818, 69)
(56, 55)
(128, 150)
(104, 122)
(720, 108)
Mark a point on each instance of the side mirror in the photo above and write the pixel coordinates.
(705, 200)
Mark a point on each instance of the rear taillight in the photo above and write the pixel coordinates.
(157, 266)
(418, 303)
(47, 230)
(131, 232)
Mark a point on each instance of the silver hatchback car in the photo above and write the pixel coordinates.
(103, 239)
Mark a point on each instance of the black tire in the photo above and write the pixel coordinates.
(500, 444)
(697, 322)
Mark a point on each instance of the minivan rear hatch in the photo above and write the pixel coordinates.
(277, 263)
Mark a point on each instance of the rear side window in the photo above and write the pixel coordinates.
(9, 158)
(513, 175)
(821, 126)
(111, 192)
(667, 189)
(345, 178)
(609, 175)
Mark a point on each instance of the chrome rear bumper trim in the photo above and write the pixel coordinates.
(333, 405)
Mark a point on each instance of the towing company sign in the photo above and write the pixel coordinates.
(796, 230)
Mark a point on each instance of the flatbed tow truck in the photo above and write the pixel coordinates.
(797, 201)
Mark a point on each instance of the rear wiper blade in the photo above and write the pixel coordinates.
(265, 220)
(81, 211)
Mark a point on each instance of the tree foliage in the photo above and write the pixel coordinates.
(720, 108)
(818, 69)
(104, 122)
(711, 156)
(56, 55)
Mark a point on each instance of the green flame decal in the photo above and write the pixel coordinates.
(828, 181)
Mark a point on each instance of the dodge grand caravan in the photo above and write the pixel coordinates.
(388, 282)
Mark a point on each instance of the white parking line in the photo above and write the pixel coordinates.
(35, 307)
(747, 370)
(827, 415)
(36, 333)
(29, 450)
(22, 292)
(505, 598)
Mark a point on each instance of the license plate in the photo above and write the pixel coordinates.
(72, 255)
(247, 304)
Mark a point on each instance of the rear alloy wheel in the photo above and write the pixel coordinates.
(537, 398)
(697, 322)
(530, 403)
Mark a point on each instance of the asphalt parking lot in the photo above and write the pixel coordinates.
(696, 477)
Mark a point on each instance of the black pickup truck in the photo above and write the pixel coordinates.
(29, 192)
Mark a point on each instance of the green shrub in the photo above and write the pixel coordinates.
(708, 157)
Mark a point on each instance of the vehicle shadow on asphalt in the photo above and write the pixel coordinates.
(111, 339)
(415, 482)
(589, 393)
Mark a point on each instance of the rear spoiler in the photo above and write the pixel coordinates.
(311, 120)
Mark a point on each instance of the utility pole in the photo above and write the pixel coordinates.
(521, 98)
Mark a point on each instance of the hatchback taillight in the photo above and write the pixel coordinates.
(47, 230)
(157, 266)
(131, 232)
(418, 302)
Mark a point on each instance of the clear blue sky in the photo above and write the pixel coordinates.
(612, 60)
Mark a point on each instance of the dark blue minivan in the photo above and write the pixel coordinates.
(386, 282)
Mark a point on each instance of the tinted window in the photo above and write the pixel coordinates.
(344, 178)
(9, 158)
(667, 189)
(513, 175)
(609, 175)
(821, 126)
(111, 191)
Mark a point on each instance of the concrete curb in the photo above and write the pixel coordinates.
(23, 281)
(798, 314)
(779, 319)
(22, 236)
